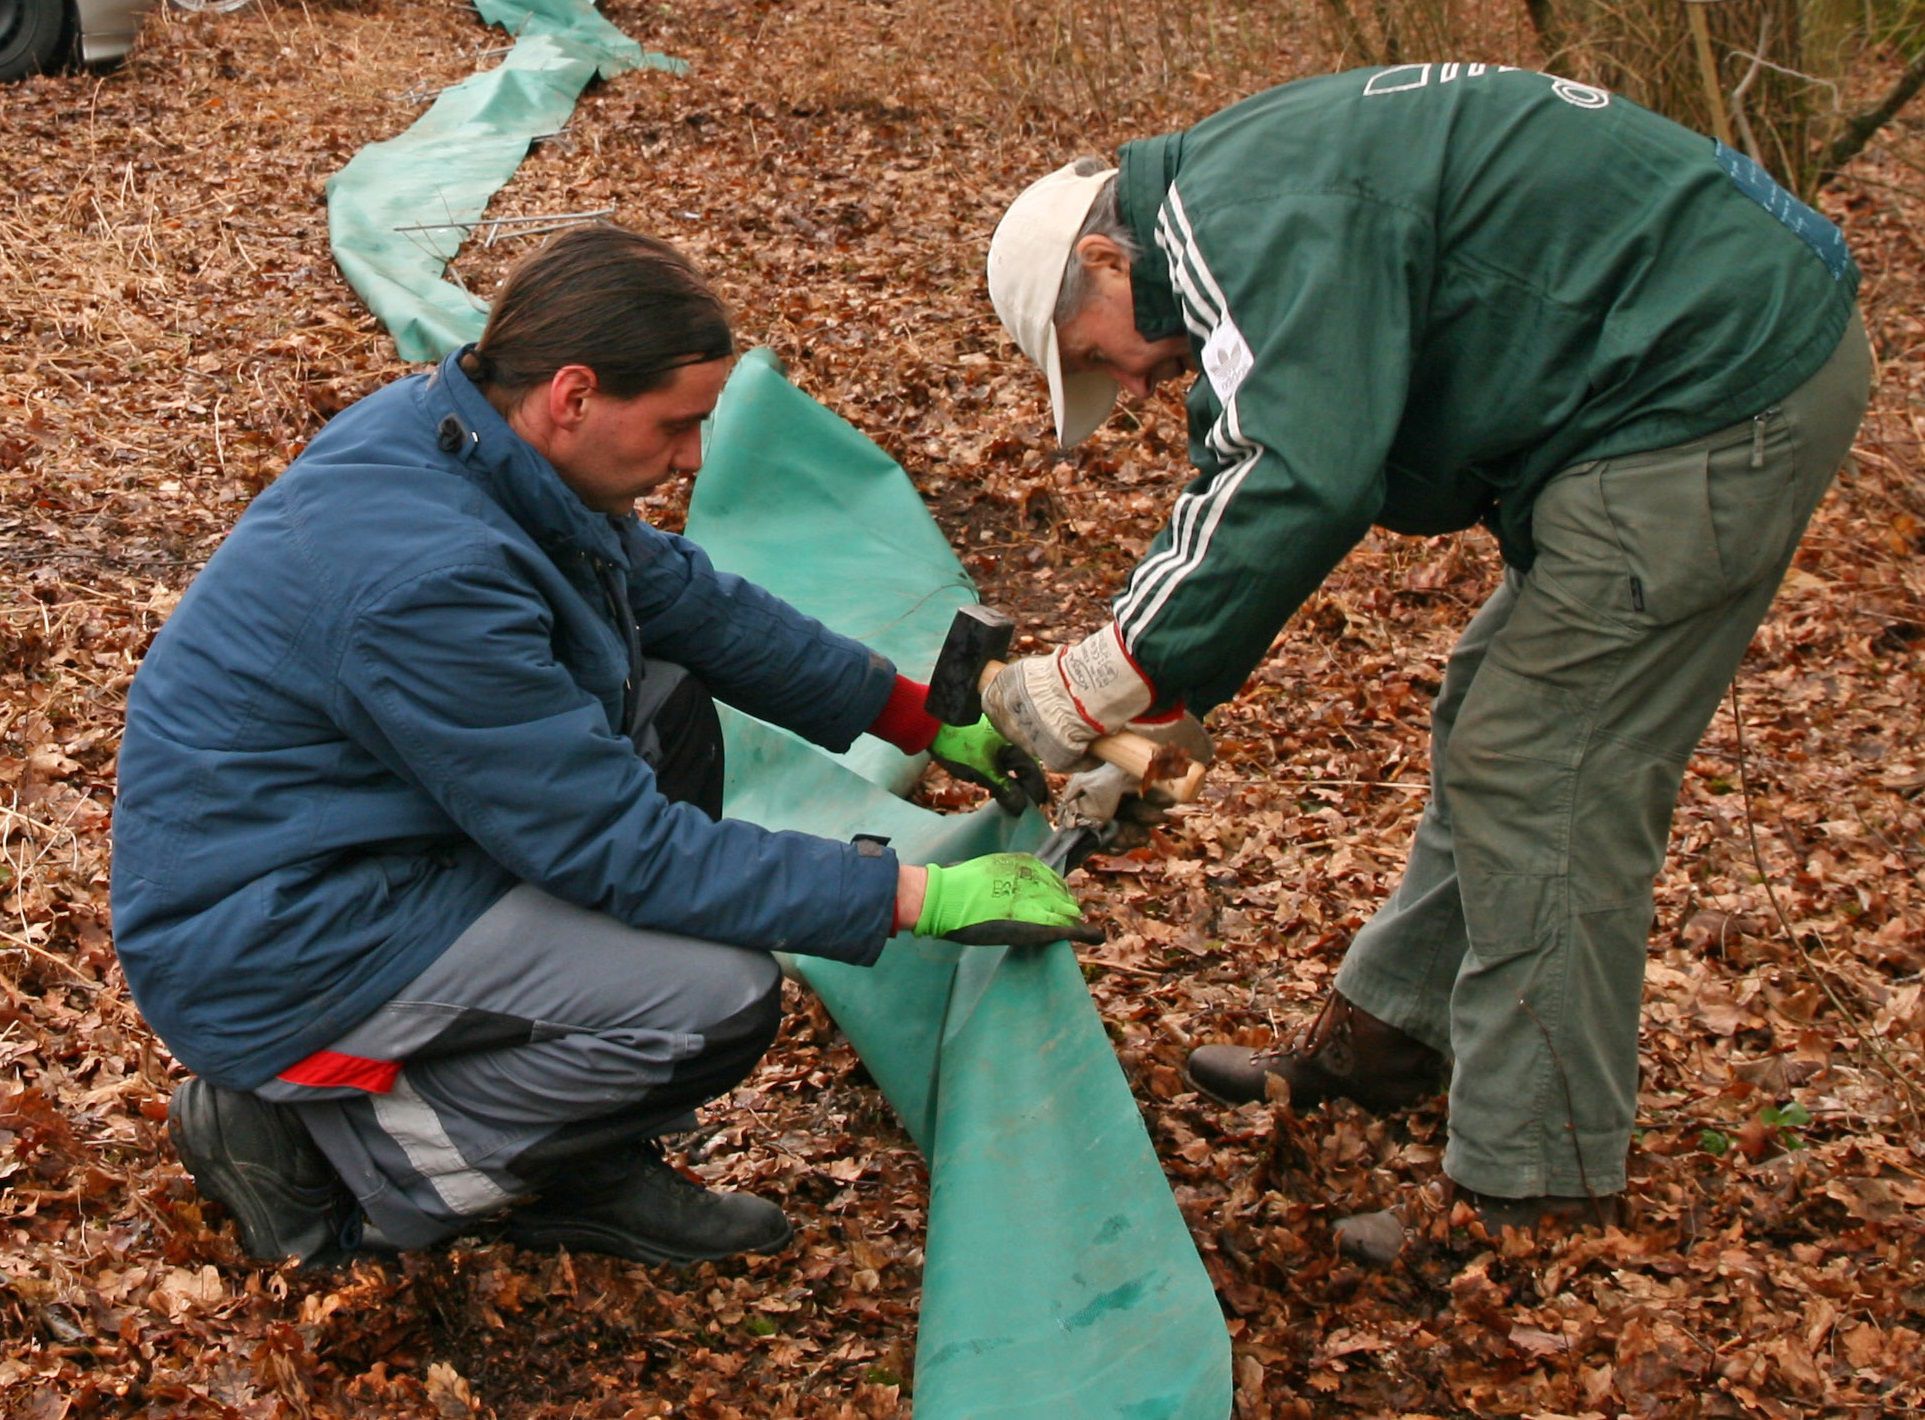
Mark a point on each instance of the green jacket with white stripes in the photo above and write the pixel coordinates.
(1414, 294)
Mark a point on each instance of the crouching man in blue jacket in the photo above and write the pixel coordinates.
(419, 861)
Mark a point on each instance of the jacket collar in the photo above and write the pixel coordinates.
(1147, 168)
(514, 474)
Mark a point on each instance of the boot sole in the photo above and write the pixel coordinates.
(586, 1237)
(1232, 1100)
(1379, 1106)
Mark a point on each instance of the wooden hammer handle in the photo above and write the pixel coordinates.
(1140, 757)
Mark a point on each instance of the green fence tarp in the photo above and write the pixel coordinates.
(440, 174)
(1059, 1278)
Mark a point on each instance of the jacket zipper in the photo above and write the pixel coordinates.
(616, 594)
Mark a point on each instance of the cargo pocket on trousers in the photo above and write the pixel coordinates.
(1753, 495)
(1660, 510)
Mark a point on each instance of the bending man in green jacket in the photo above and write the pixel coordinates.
(1427, 297)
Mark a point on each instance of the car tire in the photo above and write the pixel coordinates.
(33, 37)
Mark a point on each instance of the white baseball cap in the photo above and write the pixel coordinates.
(1027, 256)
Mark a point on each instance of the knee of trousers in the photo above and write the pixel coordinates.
(718, 1047)
(750, 1030)
(731, 1049)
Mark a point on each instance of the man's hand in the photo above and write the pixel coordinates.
(1003, 899)
(1054, 706)
(979, 754)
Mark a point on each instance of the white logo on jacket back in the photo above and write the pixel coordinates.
(1403, 78)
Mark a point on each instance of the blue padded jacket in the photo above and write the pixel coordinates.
(396, 691)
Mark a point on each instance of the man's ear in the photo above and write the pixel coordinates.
(1099, 253)
(569, 389)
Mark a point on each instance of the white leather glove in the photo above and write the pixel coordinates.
(1112, 795)
(1054, 705)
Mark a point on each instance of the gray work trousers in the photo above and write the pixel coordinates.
(1515, 941)
(543, 1047)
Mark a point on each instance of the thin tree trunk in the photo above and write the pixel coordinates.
(1550, 34)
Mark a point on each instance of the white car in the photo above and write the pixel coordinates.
(37, 35)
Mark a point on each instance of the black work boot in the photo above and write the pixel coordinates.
(257, 1160)
(650, 1213)
(1346, 1053)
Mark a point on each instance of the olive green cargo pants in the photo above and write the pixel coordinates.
(1515, 941)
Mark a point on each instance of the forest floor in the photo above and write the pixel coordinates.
(172, 330)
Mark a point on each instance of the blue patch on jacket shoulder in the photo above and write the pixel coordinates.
(1814, 230)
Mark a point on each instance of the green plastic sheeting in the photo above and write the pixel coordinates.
(441, 173)
(1059, 1278)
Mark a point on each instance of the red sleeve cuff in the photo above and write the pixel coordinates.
(903, 721)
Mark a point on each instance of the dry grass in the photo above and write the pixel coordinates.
(1776, 78)
(1059, 65)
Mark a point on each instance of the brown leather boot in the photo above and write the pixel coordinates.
(1379, 1238)
(1346, 1053)
(1566, 1210)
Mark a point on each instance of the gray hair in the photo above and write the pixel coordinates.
(1105, 219)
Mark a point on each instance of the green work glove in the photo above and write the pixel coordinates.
(1004, 899)
(979, 754)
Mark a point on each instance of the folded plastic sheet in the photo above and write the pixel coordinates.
(399, 210)
(1059, 1279)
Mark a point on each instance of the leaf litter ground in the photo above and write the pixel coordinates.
(172, 330)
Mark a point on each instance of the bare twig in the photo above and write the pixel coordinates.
(1107, 965)
(509, 221)
(20, 944)
(1819, 973)
(1743, 87)
(1570, 1112)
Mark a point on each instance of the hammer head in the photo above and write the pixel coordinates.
(976, 637)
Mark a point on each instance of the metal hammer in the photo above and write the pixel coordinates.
(972, 653)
